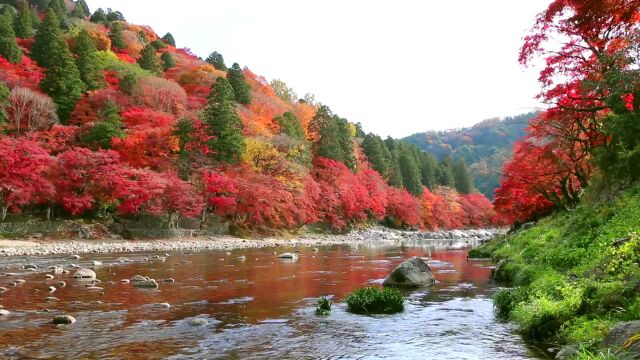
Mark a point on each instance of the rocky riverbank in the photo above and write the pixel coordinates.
(375, 234)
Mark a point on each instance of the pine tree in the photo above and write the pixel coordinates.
(62, 81)
(290, 125)
(99, 16)
(117, 41)
(168, 38)
(374, 149)
(110, 126)
(22, 25)
(223, 124)
(4, 103)
(167, 61)
(183, 131)
(84, 7)
(48, 38)
(9, 48)
(345, 140)
(88, 62)
(59, 7)
(241, 89)
(328, 144)
(428, 170)
(411, 178)
(42, 5)
(217, 60)
(445, 173)
(149, 61)
(462, 176)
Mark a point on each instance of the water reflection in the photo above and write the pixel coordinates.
(261, 307)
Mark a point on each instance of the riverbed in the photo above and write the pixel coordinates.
(247, 303)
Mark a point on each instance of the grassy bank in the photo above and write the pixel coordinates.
(574, 275)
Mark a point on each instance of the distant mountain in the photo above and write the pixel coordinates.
(485, 146)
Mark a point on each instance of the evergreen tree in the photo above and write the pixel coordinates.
(429, 170)
(223, 124)
(9, 48)
(217, 60)
(42, 5)
(374, 148)
(110, 126)
(168, 38)
(88, 62)
(99, 17)
(22, 25)
(158, 44)
(445, 173)
(183, 131)
(115, 16)
(149, 61)
(290, 125)
(345, 140)
(328, 144)
(4, 103)
(81, 4)
(62, 81)
(47, 40)
(241, 89)
(411, 178)
(117, 41)
(462, 176)
(59, 7)
(167, 61)
(320, 119)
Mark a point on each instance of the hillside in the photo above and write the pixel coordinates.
(102, 119)
(485, 147)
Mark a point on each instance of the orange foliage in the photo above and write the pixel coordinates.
(305, 113)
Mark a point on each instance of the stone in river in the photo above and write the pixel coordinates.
(30, 266)
(3, 290)
(4, 312)
(138, 278)
(51, 299)
(199, 322)
(292, 256)
(57, 270)
(169, 280)
(49, 276)
(124, 281)
(74, 257)
(64, 320)
(412, 273)
(61, 284)
(85, 274)
(97, 263)
(148, 284)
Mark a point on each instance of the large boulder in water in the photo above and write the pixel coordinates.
(87, 274)
(412, 273)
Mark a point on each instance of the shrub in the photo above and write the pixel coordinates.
(375, 300)
(324, 306)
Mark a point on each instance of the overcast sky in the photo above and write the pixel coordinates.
(398, 67)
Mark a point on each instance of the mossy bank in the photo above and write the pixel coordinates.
(573, 276)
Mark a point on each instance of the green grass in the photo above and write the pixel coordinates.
(375, 300)
(323, 306)
(574, 275)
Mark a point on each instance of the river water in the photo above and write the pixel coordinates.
(260, 307)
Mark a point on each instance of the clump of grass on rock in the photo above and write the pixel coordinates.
(375, 300)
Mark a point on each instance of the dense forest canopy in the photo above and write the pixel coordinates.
(485, 147)
(100, 118)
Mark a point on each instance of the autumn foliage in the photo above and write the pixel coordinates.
(155, 154)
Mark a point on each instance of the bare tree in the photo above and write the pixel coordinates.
(30, 110)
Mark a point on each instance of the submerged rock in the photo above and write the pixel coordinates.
(64, 320)
(412, 273)
(30, 266)
(85, 274)
(4, 312)
(147, 284)
(567, 352)
(292, 256)
(138, 278)
(199, 322)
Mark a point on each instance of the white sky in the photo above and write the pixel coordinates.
(398, 67)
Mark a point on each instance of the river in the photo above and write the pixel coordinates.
(258, 307)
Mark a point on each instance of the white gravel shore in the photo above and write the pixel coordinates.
(376, 234)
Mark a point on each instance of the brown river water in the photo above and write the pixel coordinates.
(259, 308)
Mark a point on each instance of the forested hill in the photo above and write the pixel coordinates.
(485, 147)
(104, 119)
